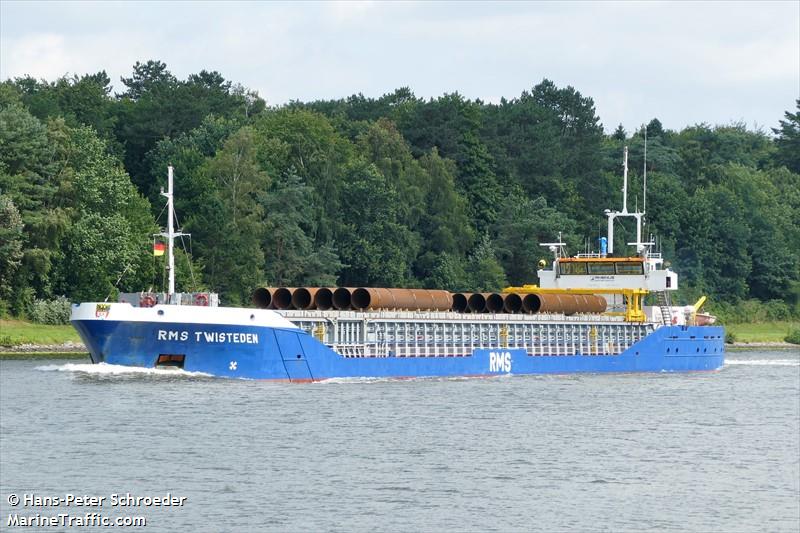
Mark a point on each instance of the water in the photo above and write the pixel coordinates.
(685, 452)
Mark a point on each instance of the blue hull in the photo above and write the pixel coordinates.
(255, 352)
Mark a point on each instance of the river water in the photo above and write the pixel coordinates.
(713, 451)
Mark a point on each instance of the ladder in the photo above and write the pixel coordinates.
(663, 302)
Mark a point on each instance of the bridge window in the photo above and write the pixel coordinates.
(572, 268)
(630, 269)
(605, 268)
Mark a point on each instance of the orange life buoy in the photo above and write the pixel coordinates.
(201, 300)
(147, 301)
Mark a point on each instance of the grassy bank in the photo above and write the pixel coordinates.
(78, 356)
(16, 332)
(761, 332)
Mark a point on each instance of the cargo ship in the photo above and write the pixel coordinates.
(587, 314)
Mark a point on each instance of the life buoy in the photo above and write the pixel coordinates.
(201, 300)
(147, 301)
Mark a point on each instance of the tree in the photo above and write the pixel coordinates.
(788, 141)
(292, 258)
(11, 241)
(377, 249)
(483, 269)
(232, 255)
(522, 224)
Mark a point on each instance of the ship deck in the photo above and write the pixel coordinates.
(449, 334)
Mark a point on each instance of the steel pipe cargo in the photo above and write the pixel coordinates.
(569, 304)
(531, 303)
(342, 298)
(592, 303)
(512, 303)
(282, 298)
(304, 297)
(418, 299)
(323, 299)
(460, 302)
(262, 297)
(476, 303)
(494, 302)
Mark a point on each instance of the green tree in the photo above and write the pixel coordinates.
(11, 241)
(233, 258)
(377, 249)
(521, 226)
(483, 269)
(788, 141)
(292, 258)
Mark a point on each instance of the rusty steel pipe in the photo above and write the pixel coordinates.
(460, 302)
(494, 302)
(591, 303)
(395, 298)
(323, 299)
(476, 303)
(512, 303)
(342, 298)
(569, 304)
(282, 298)
(262, 297)
(531, 303)
(304, 297)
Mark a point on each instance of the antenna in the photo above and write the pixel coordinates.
(625, 181)
(644, 207)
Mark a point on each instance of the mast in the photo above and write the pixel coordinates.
(625, 182)
(612, 215)
(170, 235)
(644, 201)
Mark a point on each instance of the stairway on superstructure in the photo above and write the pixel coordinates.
(664, 304)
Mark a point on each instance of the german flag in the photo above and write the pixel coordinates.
(158, 248)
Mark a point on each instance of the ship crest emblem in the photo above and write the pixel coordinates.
(101, 311)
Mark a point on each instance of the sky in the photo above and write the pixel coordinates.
(682, 62)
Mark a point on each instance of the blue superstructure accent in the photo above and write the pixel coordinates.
(258, 352)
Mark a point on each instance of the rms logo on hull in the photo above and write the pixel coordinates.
(499, 362)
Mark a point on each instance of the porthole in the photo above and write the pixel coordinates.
(160, 311)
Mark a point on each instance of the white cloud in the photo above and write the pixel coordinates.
(636, 59)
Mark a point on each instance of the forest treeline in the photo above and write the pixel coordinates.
(447, 192)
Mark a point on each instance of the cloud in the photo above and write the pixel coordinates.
(635, 59)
